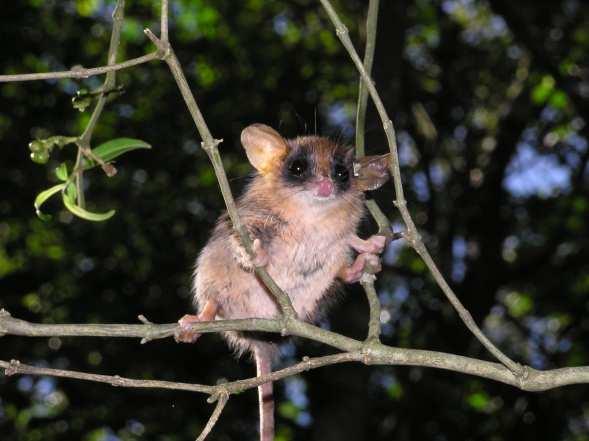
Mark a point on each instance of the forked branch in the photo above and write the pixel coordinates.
(411, 234)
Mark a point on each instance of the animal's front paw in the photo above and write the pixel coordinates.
(260, 255)
(184, 334)
(364, 262)
(259, 258)
(373, 245)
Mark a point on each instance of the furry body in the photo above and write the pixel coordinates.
(307, 243)
(302, 210)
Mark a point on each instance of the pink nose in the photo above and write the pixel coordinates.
(324, 187)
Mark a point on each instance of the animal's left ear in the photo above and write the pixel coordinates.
(264, 146)
(371, 172)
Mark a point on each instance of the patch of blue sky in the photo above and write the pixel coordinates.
(532, 174)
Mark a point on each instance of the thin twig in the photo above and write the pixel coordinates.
(221, 402)
(84, 149)
(368, 279)
(367, 282)
(210, 146)
(375, 354)
(81, 72)
(411, 234)
(15, 367)
(164, 22)
(371, 28)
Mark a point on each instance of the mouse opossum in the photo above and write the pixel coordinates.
(301, 210)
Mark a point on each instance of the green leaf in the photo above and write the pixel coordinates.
(61, 172)
(71, 193)
(85, 214)
(43, 196)
(479, 401)
(543, 89)
(289, 410)
(518, 304)
(114, 148)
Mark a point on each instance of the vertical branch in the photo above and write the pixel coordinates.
(367, 282)
(411, 235)
(210, 146)
(164, 22)
(109, 82)
(371, 27)
(367, 279)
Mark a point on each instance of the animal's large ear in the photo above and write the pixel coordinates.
(264, 146)
(370, 172)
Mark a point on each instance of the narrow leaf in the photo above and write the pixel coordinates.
(61, 172)
(85, 214)
(71, 193)
(114, 148)
(43, 196)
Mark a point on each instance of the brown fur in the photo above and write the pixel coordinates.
(307, 245)
(304, 228)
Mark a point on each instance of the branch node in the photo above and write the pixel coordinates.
(79, 72)
(210, 145)
(400, 203)
(144, 320)
(117, 381)
(388, 124)
(13, 368)
(341, 30)
(220, 393)
(367, 276)
(4, 313)
(522, 375)
(109, 169)
(368, 351)
(164, 49)
(414, 239)
(307, 360)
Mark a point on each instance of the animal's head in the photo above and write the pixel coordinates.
(314, 168)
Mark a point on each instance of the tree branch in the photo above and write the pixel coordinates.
(210, 146)
(222, 399)
(411, 234)
(368, 279)
(371, 28)
(81, 72)
(369, 352)
(83, 143)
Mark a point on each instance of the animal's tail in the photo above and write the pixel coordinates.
(263, 356)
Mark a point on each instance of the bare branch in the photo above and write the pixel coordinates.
(83, 143)
(222, 399)
(14, 367)
(411, 235)
(367, 282)
(371, 28)
(370, 352)
(368, 279)
(79, 73)
(210, 145)
(164, 22)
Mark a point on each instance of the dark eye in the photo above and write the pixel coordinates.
(298, 167)
(340, 173)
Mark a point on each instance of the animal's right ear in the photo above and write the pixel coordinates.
(264, 146)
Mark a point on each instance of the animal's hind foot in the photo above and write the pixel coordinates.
(184, 333)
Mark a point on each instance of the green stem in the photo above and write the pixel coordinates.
(371, 27)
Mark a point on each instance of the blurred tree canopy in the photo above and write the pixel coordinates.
(490, 102)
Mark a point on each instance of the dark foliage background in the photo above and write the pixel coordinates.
(498, 186)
